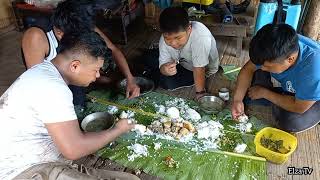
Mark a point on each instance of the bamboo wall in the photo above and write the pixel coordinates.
(311, 26)
(6, 14)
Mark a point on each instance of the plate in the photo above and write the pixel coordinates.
(97, 121)
(211, 104)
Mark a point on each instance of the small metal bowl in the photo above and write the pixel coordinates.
(211, 104)
(146, 85)
(97, 121)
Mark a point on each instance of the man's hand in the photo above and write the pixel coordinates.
(242, 86)
(237, 109)
(257, 92)
(169, 69)
(133, 90)
(124, 125)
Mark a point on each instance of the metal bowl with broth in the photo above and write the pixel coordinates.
(211, 104)
(97, 121)
(146, 85)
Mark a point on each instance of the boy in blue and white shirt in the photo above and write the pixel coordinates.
(287, 60)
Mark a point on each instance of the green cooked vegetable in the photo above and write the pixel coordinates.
(274, 145)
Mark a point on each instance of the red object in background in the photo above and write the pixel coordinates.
(132, 5)
(25, 6)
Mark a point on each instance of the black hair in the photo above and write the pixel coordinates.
(88, 43)
(74, 15)
(173, 19)
(273, 43)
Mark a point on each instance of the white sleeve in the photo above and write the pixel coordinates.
(201, 51)
(54, 103)
(164, 55)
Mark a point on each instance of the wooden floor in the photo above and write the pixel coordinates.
(306, 155)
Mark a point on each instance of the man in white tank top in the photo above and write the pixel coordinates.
(39, 46)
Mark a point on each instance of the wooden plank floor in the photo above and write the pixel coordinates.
(306, 155)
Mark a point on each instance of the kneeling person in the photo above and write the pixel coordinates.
(188, 51)
(42, 133)
(281, 58)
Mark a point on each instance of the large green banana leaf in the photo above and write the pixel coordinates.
(194, 161)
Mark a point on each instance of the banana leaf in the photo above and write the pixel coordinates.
(145, 105)
(195, 161)
(231, 71)
(191, 165)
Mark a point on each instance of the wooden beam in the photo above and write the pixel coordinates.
(312, 23)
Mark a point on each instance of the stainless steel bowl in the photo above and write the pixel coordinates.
(211, 104)
(97, 121)
(146, 85)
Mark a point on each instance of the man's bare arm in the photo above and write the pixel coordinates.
(74, 144)
(34, 46)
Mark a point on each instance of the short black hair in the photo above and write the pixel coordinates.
(273, 43)
(74, 15)
(173, 19)
(88, 43)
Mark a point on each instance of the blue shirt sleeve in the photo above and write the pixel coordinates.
(308, 84)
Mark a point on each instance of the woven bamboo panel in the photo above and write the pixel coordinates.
(6, 22)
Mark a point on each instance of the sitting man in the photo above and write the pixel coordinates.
(187, 52)
(40, 131)
(279, 57)
(70, 16)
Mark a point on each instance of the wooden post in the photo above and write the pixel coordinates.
(312, 22)
(152, 14)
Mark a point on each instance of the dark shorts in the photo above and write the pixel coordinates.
(288, 121)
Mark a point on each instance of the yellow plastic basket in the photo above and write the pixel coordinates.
(203, 2)
(289, 141)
